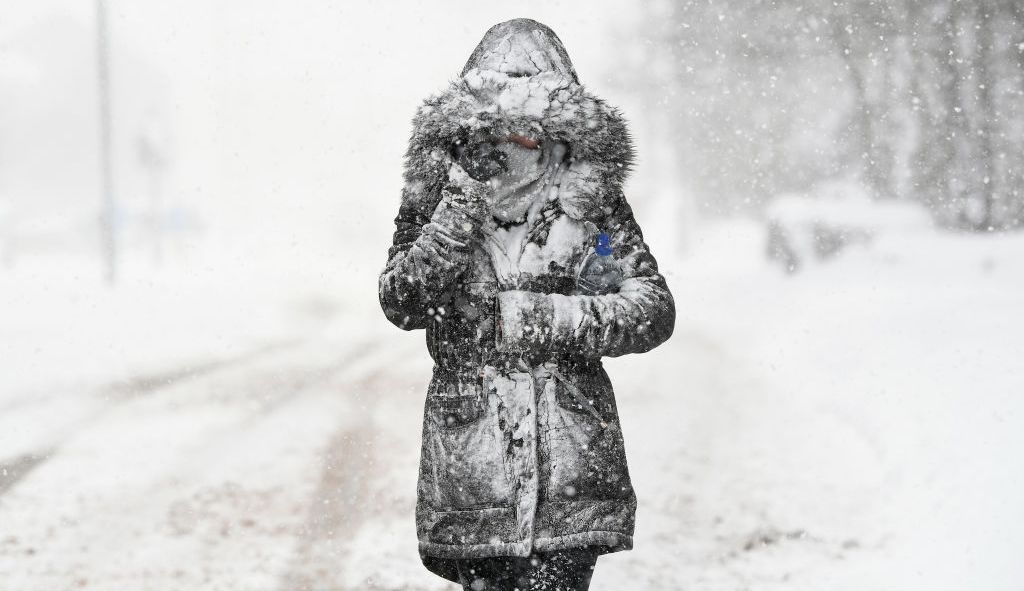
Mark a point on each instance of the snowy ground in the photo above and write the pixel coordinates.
(855, 426)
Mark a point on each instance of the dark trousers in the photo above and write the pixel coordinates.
(561, 570)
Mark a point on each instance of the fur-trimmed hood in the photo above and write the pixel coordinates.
(519, 80)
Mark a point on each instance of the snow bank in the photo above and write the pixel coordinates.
(805, 229)
(857, 425)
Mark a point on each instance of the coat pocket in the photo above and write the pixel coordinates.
(585, 393)
(462, 463)
(455, 412)
(585, 445)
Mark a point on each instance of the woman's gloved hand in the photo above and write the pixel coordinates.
(481, 160)
(464, 209)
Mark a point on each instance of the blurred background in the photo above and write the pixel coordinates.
(198, 388)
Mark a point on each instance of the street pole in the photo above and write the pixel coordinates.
(107, 221)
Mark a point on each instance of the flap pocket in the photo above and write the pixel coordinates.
(454, 399)
(453, 412)
(585, 393)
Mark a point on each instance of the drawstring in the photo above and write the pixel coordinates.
(580, 398)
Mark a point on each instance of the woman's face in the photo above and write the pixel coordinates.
(519, 186)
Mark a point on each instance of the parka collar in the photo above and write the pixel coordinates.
(534, 91)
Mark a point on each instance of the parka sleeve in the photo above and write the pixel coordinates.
(428, 254)
(637, 319)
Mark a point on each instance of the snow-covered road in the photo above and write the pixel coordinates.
(254, 473)
(855, 428)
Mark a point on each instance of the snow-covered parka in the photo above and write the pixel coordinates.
(521, 445)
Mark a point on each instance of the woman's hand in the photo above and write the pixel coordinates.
(475, 195)
(481, 160)
(458, 176)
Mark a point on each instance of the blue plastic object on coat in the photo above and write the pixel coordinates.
(600, 272)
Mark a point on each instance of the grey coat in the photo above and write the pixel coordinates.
(521, 445)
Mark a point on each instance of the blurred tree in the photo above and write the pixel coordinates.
(151, 149)
(913, 100)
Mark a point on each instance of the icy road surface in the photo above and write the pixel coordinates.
(857, 427)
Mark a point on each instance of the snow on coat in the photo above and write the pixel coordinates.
(521, 445)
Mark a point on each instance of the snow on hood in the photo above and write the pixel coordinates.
(520, 80)
(521, 47)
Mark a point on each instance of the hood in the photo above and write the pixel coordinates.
(521, 48)
(520, 80)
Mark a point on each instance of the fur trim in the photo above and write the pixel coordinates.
(548, 106)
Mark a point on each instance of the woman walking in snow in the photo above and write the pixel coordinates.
(516, 250)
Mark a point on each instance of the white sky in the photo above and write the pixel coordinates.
(290, 119)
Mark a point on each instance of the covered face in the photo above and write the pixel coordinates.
(520, 170)
(532, 174)
(519, 81)
(524, 61)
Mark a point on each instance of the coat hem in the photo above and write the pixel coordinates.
(613, 540)
(458, 551)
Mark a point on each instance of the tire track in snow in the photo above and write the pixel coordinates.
(251, 399)
(16, 468)
(335, 513)
(357, 458)
(148, 383)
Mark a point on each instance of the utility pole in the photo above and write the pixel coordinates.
(107, 216)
